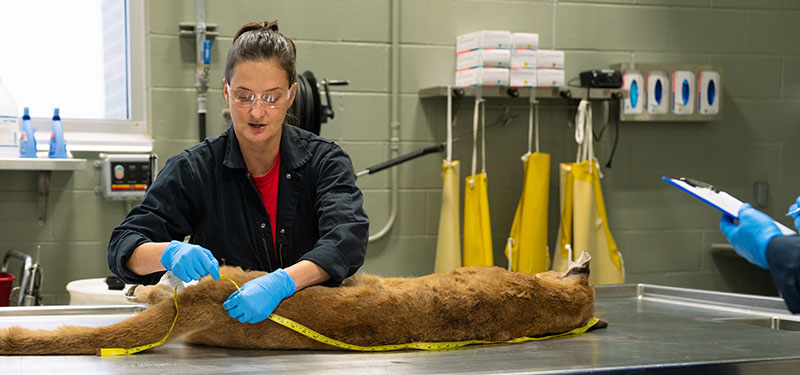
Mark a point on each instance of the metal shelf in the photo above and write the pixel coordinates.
(524, 92)
(663, 117)
(25, 164)
(45, 167)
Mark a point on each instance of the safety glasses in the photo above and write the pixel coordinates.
(273, 99)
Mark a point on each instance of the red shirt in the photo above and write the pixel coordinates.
(267, 186)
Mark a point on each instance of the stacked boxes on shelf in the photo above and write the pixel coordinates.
(483, 58)
(523, 59)
(502, 58)
(549, 68)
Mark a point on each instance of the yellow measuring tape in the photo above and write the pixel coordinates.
(121, 351)
(305, 331)
(441, 345)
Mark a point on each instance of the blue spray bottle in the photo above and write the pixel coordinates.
(58, 148)
(27, 141)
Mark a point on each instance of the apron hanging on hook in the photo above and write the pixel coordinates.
(477, 224)
(584, 223)
(448, 244)
(526, 246)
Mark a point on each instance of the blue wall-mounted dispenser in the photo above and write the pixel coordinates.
(633, 81)
(658, 92)
(709, 92)
(683, 92)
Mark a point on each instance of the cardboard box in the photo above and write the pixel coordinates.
(482, 77)
(483, 39)
(525, 40)
(486, 58)
(550, 59)
(523, 77)
(523, 58)
(549, 77)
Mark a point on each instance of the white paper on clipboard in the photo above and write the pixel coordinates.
(717, 199)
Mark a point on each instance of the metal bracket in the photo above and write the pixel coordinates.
(44, 194)
(188, 30)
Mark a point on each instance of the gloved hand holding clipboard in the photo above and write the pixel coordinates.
(716, 198)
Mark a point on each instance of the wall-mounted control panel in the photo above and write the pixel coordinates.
(126, 176)
(672, 92)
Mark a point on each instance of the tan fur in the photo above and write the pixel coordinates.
(485, 303)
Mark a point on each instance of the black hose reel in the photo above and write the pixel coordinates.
(308, 109)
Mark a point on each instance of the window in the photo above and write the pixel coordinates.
(86, 58)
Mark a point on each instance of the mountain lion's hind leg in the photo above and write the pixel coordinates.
(149, 294)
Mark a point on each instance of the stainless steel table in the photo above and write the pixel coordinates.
(652, 329)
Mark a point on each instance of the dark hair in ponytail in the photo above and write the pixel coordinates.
(257, 41)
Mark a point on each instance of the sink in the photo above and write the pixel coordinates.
(766, 321)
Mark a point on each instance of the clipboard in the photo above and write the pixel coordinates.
(716, 198)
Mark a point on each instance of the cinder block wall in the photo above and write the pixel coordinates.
(665, 237)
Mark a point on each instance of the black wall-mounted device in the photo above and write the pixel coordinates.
(601, 78)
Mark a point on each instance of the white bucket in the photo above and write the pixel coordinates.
(9, 124)
(95, 292)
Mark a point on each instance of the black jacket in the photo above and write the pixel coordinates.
(206, 192)
(783, 259)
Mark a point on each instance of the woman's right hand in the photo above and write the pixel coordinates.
(795, 213)
(189, 262)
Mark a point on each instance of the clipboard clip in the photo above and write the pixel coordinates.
(699, 184)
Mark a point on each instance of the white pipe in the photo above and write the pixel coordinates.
(555, 7)
(200, 28)
(394, 140)
(201, 72)
(449, 124)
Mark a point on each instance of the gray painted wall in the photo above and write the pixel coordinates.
(665, 236)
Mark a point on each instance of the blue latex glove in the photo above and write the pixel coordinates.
(189, 262)
(796, 215)
(751, 236)
(259, 297)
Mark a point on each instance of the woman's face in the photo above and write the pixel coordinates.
(259, 96)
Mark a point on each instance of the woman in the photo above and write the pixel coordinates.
(264, 195)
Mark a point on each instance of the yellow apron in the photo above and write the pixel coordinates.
(584, 224)
(477, 226)
(526, 248)
(448, 245)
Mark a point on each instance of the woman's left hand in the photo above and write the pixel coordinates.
(259, 297)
